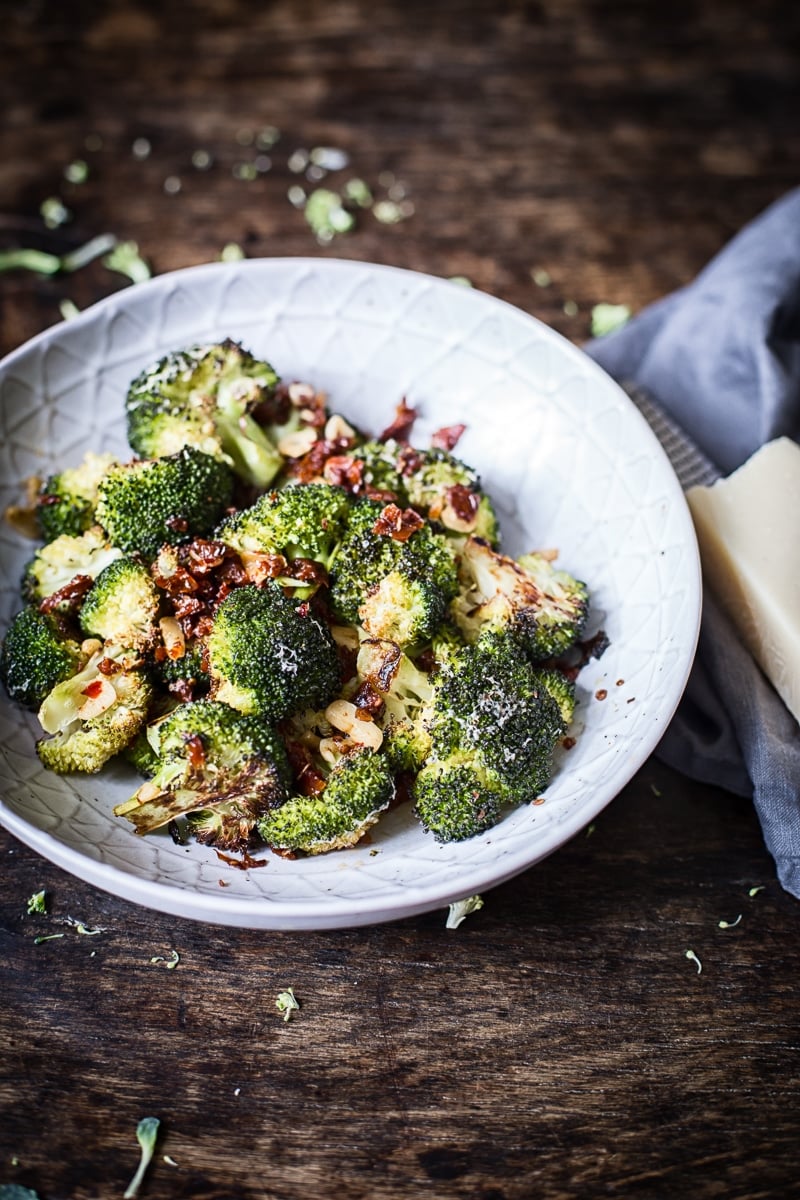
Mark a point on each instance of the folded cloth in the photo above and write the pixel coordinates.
(719, 361)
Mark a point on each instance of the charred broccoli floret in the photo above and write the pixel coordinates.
(204, 397)
(94, 714)
(224, 769)
(271, 655)
(448, 491)
(422, 567)
(57, 564)
(66, 500)
(496, 721)
(144, 504)
(35, 656)
(301, 521)
(357, 789)
(122, 605)
(545, 609)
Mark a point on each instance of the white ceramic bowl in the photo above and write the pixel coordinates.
(567, 458)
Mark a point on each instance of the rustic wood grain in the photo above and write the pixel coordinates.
(559, 1043)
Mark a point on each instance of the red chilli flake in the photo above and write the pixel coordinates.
(397, 523)
(447, 437)
(400, 427)
(93, 689)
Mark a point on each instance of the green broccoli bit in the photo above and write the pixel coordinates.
(365, 558)
(494, 706)
(301, 521)
(224, 769)
(145, 504)
(204, 397)
(55, 565)
(93, 716)
(458, 799)
(187, 672)
(543, 608)
(122, 605)
(403, 609)
(562, 691)
(407, 693)
(563, 608)
(141, 755)
(35, 656)
(67, 500)
(271, 655)
(382, 468)
(358, 788)
(436, 472)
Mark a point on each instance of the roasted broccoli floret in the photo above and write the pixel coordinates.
(271, 655)
(382, 470)
(496, 720)
(94, 714)
(185, 676)
(446, 490)
(407, 693)
(144, 504)
(543, 608)
(563, 609)
(300, 521)
(122, 605)
(35, 656)
(423, 567)
(357, 789)
(141, 755)
(57, 564)
(66, 500)
(225, 769)
(458, 798)
(204, 397)
(404, 608)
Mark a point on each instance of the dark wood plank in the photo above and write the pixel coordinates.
(559, 1044)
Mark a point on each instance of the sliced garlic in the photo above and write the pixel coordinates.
(103, 696)
(295, 445)
(357, 724)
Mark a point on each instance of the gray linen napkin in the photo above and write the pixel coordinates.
(719, 361)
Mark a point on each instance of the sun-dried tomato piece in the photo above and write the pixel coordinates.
(310, 782)
(447, 437)
(109, 666)
(464, 503)
(195, 751)
(398, 523)
(368, 699)
(70, 594)
(400, 427)
(342, 470)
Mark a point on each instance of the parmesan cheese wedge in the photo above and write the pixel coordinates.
(748, 528)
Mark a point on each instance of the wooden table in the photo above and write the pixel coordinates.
(559, 1043)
